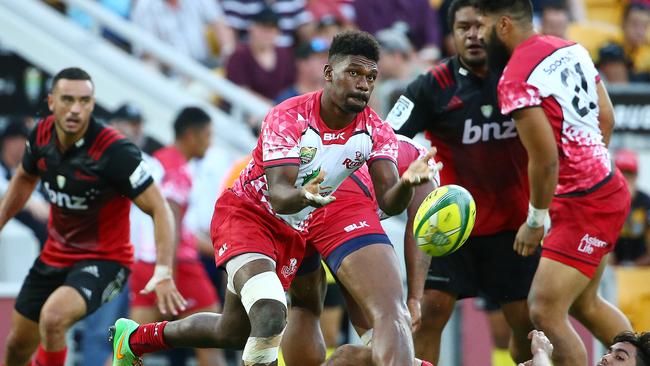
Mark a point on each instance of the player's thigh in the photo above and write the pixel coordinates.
(588, 296)
(555, 287)
(63, 308)
(371, 276)
(309, 287)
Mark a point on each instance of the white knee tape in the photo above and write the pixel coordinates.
(265, 285)
(261, 350)
(237, 262)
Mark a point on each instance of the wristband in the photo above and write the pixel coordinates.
(160, 273)
(536, 216)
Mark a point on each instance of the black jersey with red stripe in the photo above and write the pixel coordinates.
(89, 186)
(479, 147)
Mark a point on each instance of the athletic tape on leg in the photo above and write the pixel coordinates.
(261, 350)
(265, 285)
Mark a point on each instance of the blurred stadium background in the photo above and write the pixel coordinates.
(236, 58)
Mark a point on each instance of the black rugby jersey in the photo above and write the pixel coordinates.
(89, 186)
(479, 147)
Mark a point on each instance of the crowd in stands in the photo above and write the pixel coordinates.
(277, 50)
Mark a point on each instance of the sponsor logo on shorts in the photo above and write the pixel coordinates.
(356, 226)
(93, 270)
(587, 244)
(87, 292)
(223, 249)
(290, 269)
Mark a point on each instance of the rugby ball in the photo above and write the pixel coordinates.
(444, 220)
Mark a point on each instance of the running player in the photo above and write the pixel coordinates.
(89, 172)
(256, 230)
(455, 104)
(565, 119)
(193, 131)
(339, 228)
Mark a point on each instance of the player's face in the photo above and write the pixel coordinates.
(466, 37)
(351, 80)
(72, 102)
(497, 52)
(202, 140)
(620, 354)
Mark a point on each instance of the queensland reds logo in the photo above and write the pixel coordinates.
(357, 162)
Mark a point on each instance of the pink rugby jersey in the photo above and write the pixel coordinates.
(293, 133)
(560, 77)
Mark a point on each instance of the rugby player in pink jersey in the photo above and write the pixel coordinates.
(258, 225)
(349, 223)
(564, 119)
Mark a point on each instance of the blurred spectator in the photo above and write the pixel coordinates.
(331, 17)
(293, 18)
(575, 8)
(613, 66)
(632, 251)
(555, 20)
(311, 58)
(328, 26)
(37, 209)
(128, 120)
(418, 18)
(182, 24)
(636, 20)
(633, 246)
(121, 8)
(396, 69)
(260, 65)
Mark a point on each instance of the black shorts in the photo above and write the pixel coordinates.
(97, 282)
(485, 265)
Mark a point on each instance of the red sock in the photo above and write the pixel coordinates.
(148, 338)
(426, 363)
(45, 358)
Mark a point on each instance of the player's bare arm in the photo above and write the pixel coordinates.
(151, 202)
(417, 262)
(606, 112)
(537, 137)
(285, 198)
(21, 186)
(393, 194)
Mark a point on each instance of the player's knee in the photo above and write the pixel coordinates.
(268, 318)
(396, 313)
(53, 321)
(542, 314)
(16, 345)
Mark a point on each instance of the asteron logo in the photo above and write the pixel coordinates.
(587, 244)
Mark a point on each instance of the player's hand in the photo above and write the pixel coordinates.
(527, 239)
(311, 192)
(416, 313)
(169, 299)
(540, 343)
(527, 363)
(421, 171)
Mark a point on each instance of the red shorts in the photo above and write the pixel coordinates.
(240, 226)
(585, 228)
(191, 280)
(351, 215)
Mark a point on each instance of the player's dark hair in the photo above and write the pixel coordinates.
(71, 73)
(455, 6)
(555, 5)
(640, 341)
(190, 118)
(354, 43)
(632, 6)
(518, 9)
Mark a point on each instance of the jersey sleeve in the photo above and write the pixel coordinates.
(30, 158)
(384, 143)
(281, 131)
(517, 94)
(125, 169)
(413, 111)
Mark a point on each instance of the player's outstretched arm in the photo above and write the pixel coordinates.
(537, 137)
(606, 113)
(285, 198)
(417, 262)
(20, 189)
(151, 202)
(393, 193)
(541, 348)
